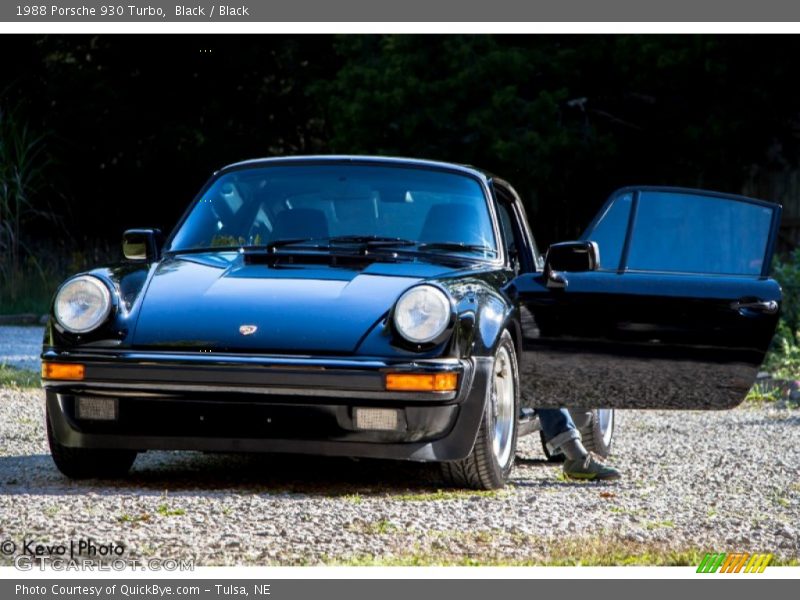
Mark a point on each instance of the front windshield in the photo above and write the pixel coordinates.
(259, 206)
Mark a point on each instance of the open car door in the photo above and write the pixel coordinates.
(666, 302)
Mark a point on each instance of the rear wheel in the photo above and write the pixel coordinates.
(86, 463)
(597, 432)
(489, 465)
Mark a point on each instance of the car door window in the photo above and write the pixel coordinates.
(693, 233)
(509, 239)
(507, 228)
(611, 230)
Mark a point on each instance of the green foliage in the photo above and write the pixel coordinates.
(135, 519)
(787, 273)
(135, 125)
(472, 99)
(20, 378)
(757, 395)
(439, 495)
(481, 549)
(166, 511)
(784, 357)
(47, 264)
(566, 119)
(21, 178)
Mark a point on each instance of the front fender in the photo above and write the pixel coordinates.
(127, 282)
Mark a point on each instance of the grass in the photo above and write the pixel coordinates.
(451, 495)
(759, 396)
(435, 496)
(31, 288)
(689, 558)
(162, 510)
(140, 518)
(382, 527)
(650, 525)
(18, 378)
(165, 511)
(33, 298)
(773, 391)
(626, 511)
(573, 552)
(781, 500)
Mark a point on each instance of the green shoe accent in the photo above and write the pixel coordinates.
(589, 468)
(580, 475)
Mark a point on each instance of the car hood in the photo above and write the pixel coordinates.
(209, 301)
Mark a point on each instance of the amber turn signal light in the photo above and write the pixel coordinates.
(422, 382)
(68, 371)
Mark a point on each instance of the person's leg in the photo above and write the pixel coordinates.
(561, 434)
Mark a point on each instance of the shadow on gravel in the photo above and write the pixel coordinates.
(761, 422)
(561, 484)
(527, 462)
(194, 472)
(200, 473)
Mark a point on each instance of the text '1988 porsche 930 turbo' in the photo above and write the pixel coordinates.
(399, 308)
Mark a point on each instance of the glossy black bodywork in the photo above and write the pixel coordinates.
(647, 339)
(185, 378)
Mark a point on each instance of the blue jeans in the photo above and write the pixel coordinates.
(557, 426)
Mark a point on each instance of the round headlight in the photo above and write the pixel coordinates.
(422, 314)
(82, 304)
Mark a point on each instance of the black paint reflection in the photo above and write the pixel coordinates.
(651, 341)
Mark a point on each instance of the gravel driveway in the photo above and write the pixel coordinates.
(20, 346)
(717, 481)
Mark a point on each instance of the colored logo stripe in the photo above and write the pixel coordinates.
(710, 563)
(734, 563)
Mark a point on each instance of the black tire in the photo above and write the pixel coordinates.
(481, 470)
(87, 463)
(592, 436)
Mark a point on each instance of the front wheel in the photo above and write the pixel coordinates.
(86, 463)
(489, 464)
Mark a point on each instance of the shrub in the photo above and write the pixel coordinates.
(784, 357)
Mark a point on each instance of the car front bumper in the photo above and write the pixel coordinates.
(247, 403)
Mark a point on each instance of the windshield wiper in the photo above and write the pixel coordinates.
(291, 242)
(371, 241)
(246, 247)
(326, 243)
(456, 247)
(363, 242)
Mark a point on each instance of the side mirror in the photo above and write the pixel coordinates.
(141, 245)
(570, 257)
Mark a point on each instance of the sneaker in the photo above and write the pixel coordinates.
(589, 468)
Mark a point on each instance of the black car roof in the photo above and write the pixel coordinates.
(357, 159)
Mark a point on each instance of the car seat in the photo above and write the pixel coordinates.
(300, 223)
